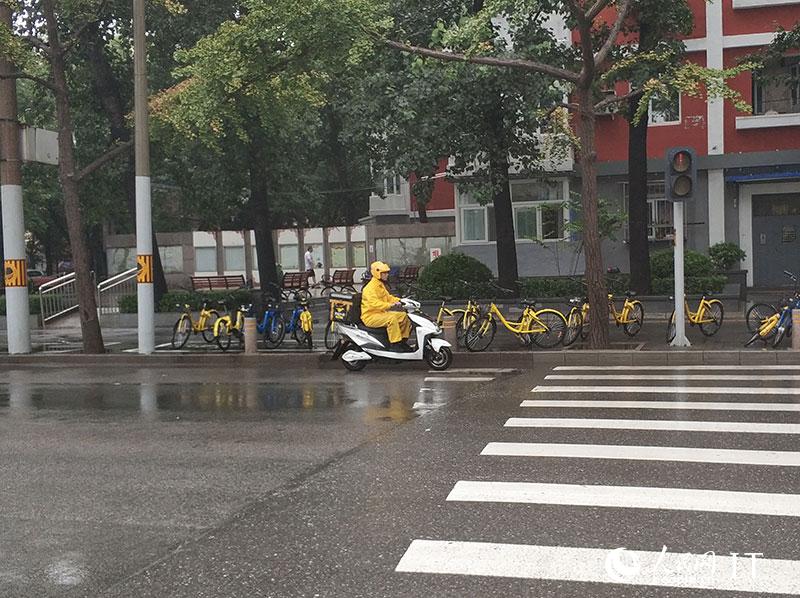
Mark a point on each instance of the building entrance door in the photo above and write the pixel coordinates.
(776, 238)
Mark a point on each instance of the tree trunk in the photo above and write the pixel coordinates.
(90, 324)
(507, 271)
(638, 209)
(595, 278)
(259, 207)
(108, 92)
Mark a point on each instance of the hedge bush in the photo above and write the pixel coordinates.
(129, 305)
(725, 255)
(563, 286)
(444, 276)
(34, 306)
(694, 284)
(694, 264)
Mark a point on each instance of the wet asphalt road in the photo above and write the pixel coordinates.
(315, 483)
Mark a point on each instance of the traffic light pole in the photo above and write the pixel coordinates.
(680, 339)
(15, 267)
(144, 216)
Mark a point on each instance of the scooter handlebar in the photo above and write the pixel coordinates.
(410, 304)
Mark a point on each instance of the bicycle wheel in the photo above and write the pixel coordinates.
(574, 326)
(332, 335)
(757, 313)
(208, 331)
(555, 327)
(671, 327)
(181, 332)
(636, 315)
(585, 326)
(224, 334)
(480, 335)
(274, 331)
(464, 321)
(715, 312)
(780, 332)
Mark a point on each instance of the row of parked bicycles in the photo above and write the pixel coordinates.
(222, 325)
(770, 324)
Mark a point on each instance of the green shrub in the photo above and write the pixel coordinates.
(726, 255)
(34, 307)
(172, 298)
(445, 274)
(694, 264)
(694, 285)
(564, 286)
(128, 304)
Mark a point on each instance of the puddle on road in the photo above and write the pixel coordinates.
(379, 401)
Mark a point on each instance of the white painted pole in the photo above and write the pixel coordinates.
(16, 265)
(680, 339)
(144, 218)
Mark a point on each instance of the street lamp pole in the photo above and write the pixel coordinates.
(144, 217)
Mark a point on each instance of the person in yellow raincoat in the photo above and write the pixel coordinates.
(376, 301)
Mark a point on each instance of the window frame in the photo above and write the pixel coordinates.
(653, 201)
(464, 206)
(666, 123)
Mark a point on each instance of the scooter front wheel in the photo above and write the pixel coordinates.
(439, 360)
(354, 366)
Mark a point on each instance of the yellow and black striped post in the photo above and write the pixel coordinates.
(15, 273)
(144, 263)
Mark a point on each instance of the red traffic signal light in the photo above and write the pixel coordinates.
(680, 174)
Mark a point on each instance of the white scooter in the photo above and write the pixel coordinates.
(360, 344)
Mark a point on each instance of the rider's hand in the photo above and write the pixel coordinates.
(398, 304)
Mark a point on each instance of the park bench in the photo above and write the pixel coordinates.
(341, 281)
(295, 283)
(408, 274)
(211, 283)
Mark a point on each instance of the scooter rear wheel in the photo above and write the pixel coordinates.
(438, 360)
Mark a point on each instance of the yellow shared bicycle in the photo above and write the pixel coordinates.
(187, 325)
(464, 316)
(708, 316)
(229, 326)
(544, 327)
(630, 317)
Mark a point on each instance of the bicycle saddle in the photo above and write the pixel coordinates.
(446, 299)
(528, 302)
(630, 294)
(707, 293)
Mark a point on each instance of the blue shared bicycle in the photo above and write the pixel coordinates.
(274, 326)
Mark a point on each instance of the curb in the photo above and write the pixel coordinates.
(515, 359)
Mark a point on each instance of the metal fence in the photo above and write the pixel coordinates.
(110, 291)
(59, 297)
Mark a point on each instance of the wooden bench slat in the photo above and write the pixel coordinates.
(210, 283)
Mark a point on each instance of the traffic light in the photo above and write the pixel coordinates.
(681, 174)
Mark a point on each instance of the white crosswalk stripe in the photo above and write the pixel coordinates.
(671, 405)
(604, 564)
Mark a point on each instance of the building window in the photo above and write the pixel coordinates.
(359, 255)
(665, 110)
(205, 259)
(778, 90)
(289, 258)
(171, 258)
(473, 224)
(338, 255)
(660, 223)
(539, 213)
(234, 258)
(391, 184)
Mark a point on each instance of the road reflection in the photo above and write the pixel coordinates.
(376, 398)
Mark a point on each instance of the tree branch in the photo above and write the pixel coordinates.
(102, 160)
(617, 99)
(36, 43)
(601, 56)
(34, 78)
(517, 63)
(596, 9)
